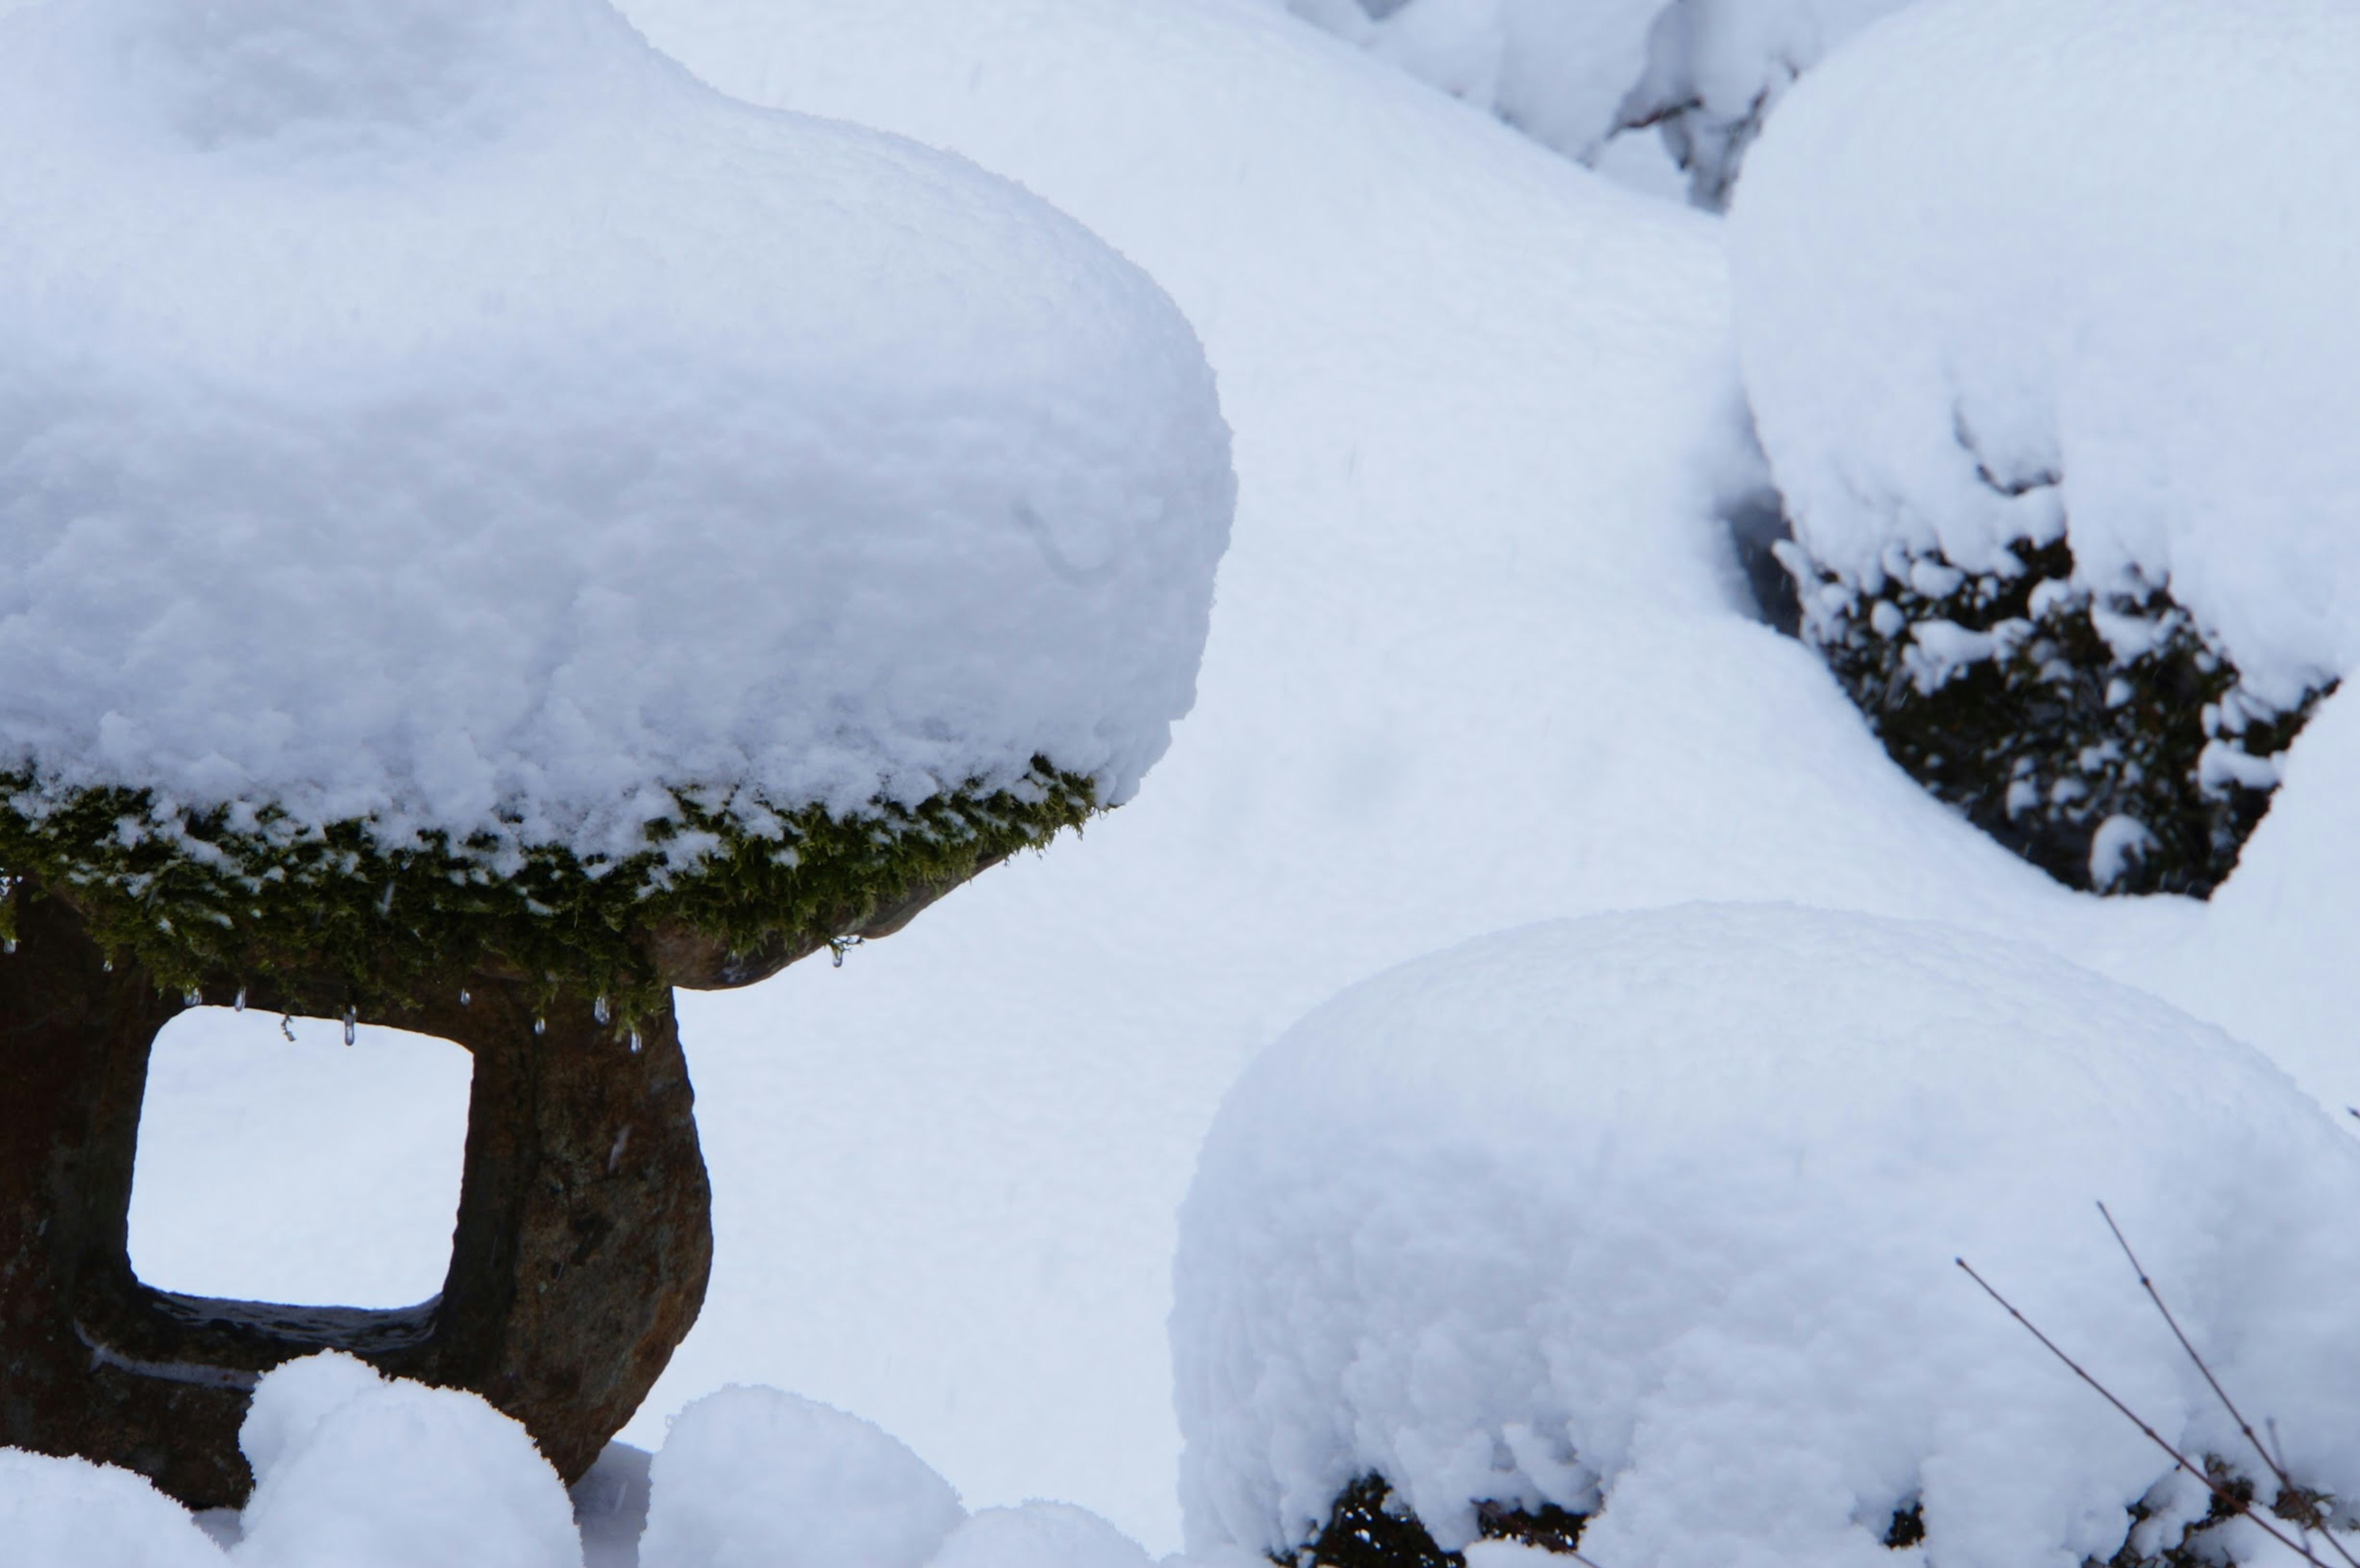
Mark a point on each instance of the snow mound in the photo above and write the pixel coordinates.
(2015, 270)
(1654, 1215)
(366, 1472)
(456, 418)
(752, 1477)
(55, 1513)
(1039, 1535)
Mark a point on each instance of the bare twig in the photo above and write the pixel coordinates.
(2275, 1466)
(2229, 1500)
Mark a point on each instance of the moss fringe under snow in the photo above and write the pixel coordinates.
(202, 903)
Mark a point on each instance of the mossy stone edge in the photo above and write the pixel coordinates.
(207, 906)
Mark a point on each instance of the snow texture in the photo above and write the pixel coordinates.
(1655, 1214)
(66, 1513)
(758, 1478)
(2008, 267)
(366, 1472)
(1558, 70)
(454, 415)
(1039, 1535)
(345, 1175)
(1580, 76)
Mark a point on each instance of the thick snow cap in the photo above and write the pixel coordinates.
(1654, 1216)
(450, 414)
(2007, 267)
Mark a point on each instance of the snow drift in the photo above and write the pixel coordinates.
(455, 417)
(1654, 1216)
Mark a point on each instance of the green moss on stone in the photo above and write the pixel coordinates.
(215, 900)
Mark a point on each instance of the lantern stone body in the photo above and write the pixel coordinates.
(578, 1261)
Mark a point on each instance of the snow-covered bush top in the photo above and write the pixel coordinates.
(2013, 270)
(448, 416)
(1651, 1217)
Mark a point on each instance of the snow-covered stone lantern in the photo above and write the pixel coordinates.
(492, 530)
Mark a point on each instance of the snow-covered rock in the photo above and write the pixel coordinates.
(64, 1513)
(362, 1471)
(754, 1477)
(453, 416)
(1655, 1215)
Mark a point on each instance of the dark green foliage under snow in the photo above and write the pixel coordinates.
(215, 900)
(2155, 1541)
(2005, 696)
(1369, 1527)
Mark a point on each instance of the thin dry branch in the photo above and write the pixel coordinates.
(2270, 1461)
(2229, 1500)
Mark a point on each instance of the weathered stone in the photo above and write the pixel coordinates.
(578, 1263)
(699, 960)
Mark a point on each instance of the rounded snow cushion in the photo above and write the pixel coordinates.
(2024, 269)
(63, 1512)
(1655, 1215)
(452, 417)
(368, 1472)
(752, 1477)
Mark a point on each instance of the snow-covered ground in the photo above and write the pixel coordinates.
(1478, 657)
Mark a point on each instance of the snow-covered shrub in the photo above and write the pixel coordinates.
(2103, 736)
(1574, 74)
(753, 1477)
(468, 485)
(2049, 342)
(60, 1513)
(1652, 1218)
(366, 1472)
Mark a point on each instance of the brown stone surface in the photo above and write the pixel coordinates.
(579, 1262)
(698, 961)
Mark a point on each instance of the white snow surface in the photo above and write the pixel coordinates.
(343, 1177)
(1585, 77)
(68, 1513)
(452, 415)
(1654, 1216)
(1039, 1535)
(1478, 660)
(362, 1471)
(1558, 70)
(353, 1470)
(2008, 266)
(759, 1478)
